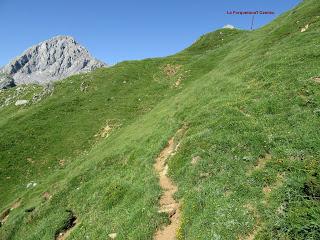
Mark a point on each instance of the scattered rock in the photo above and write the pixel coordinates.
(112, 235)
(21, 102)
(204, 175)
(267, 189)
(46, 91)
(305, 28)
(105, 131)
(62, 162)
(84, 86)
(172, 74)
(31, 184)
(109, 127)
(247, 158)
(171, 70)
(30, 160)
(195, 160)
(178, 82)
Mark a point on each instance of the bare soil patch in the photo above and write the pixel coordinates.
(316, 79)
(261, 163)
(105, 131)
(252, 209)
(171, 70)
(5, 214)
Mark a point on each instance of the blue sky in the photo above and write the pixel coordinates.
(114, 31)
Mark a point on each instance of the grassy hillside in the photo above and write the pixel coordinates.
(247, 166)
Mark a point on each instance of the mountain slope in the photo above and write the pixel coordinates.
(247, 166)
(51, 60)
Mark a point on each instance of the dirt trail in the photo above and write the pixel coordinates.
(167, 203)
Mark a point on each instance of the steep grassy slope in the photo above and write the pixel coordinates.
(247, 166)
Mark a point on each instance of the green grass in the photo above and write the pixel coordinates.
(244, 97)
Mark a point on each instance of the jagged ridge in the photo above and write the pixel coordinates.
(51, 60)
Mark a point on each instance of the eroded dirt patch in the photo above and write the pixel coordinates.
(268, 189)
(171, 69)
(68, 226)
(316, 79)
(261, 163)
(110, 125)
(167, 202)
(46, 196)
(252, 210)
(195, 160)
(172, 74)
(5, 214)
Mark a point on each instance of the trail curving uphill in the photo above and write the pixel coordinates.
(167, 202)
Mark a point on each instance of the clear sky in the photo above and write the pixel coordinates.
(119, 30)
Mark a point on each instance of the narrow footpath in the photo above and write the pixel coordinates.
(167, 202)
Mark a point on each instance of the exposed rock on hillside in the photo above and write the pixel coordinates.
(21, 102)
(51, 60)
(6, 81)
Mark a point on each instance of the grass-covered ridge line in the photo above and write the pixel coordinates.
(247, 166)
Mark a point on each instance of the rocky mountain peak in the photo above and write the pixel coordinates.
(51, 60)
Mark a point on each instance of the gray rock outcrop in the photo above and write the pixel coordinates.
(21, 102)
(51, 60)
(6, 81)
